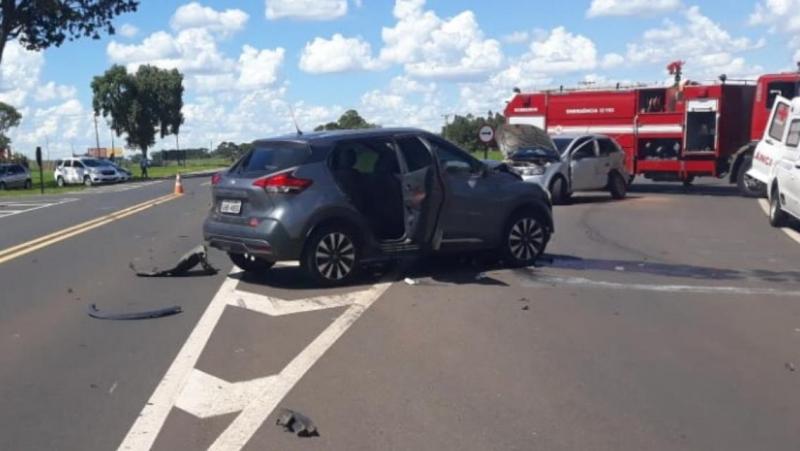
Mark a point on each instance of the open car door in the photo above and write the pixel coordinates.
(423, 192)
(770, 149)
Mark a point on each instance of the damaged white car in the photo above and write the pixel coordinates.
(565, 164)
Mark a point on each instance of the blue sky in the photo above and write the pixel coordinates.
(401, 62)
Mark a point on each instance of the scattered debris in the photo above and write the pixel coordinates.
(197, 256)
(113, 387)
(526, 300)
(526, 307)
(69, 290)
(619, 268)
(296, 423)
(789, 366)
(150, 314)
(410, 281)
(92, 385)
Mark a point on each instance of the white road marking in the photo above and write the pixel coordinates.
(789, 232)
(145, 429)
(206, 184)
(242, 428)
(119, 188)
(20, 207)
(204, 395)
(539, 280)
(208, 396)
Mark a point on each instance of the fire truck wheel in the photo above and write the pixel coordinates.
(777, 217)
(558, 191)
(617, 186)
(748, 186)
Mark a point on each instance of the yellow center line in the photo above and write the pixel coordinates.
(61, 235)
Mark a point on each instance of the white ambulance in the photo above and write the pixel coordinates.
(776, 161)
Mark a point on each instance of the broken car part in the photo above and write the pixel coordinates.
(149, 314)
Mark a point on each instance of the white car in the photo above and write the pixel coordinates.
(776, 161)
(86, 170)
(565, 163)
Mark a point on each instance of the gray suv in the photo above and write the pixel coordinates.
(338, 200)
(14, 176)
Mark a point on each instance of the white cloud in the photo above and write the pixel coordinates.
(305, 9)
(517, 37)
(432, 47)
(195, 15)
(708, 49)
(259, 67)
(631, 7)
(560, 52)
(128, 31)
(338, 54)
(19, 73)
(612, 60)
(192, 51)
(53, 91)
(783, 15)
(405, 102)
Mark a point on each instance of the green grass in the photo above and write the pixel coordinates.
(492, 155)
(50, 187)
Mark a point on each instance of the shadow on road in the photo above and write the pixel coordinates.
(584, 199)
(665, 269)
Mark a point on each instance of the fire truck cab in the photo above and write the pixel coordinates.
(669, 133)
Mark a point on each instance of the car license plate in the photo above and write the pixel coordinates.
(231, 207)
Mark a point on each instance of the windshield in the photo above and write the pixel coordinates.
(91, 163)
(562, 144)
(272, 157)
(534, 153)
(105, 163)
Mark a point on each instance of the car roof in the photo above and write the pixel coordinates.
(338, 135)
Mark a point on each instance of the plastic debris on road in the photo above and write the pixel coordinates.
(197, 256)
(296, 423)
(410, 281)
(149, 314)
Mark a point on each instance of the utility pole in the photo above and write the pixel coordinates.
(96, 135)
(446, 123)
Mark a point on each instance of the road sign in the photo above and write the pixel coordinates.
(486, 134)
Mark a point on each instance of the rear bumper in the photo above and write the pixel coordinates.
(268, 239)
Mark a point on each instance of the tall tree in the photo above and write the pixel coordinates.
(348, 121)
(140, 104)
(9, 118)
(39, 24)
(463, 130)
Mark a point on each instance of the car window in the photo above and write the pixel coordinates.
(91, 163)
(2, 170)
(785, 89)
(562, 144)
(583, 151)
(606, 147)
(793, 138)
(66, 164)
(366, 156)
(77, 164)
(268, 157)
(778, 125)
(415, 153)
(453, 159)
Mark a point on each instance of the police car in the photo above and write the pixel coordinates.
(776, 161)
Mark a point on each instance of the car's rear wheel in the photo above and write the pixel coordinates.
(60, 181)
(525, 239)
(250, 263)
(558, 191)
(331, 256)
(28, 184)
(617, 186)
(777, 217)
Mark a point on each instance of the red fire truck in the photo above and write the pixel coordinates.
(672, 133)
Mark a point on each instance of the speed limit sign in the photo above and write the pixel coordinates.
(486, 134)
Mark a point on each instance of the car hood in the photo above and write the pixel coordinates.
(512, 137)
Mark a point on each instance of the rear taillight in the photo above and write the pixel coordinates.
(215, 179)
(283, 183)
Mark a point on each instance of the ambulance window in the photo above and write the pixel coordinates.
(778, 125)
(785, 89)
(793, 139)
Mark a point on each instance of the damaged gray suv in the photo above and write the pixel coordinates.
(338, 200)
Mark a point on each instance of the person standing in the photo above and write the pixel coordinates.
(143, 166)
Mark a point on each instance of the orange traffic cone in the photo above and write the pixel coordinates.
(178, 184)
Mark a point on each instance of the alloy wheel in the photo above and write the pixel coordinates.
(335, 256)
(526, 239)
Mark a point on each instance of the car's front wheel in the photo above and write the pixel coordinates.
(777, 217)
(250, 263)
(331, 256)
(87, 181)
(60, 181)
(525, 239)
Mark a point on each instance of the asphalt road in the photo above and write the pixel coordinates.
(669, 320)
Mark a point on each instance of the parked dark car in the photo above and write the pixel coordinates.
(337, 200)
(14, 176)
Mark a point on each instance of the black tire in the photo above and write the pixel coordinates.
(748, 187)
(558, 191)
(631, 179)
(687, 182)
(524, 239)
(60, 181)
(87, 180)
(332, 256)
(617, 186)
(777, 217)
(28, 184)
(251, 263)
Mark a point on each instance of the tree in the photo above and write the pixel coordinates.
(348, 121)
(463, 130)
(231, 151)
(140, 104)
(39, 24)
(9, 118)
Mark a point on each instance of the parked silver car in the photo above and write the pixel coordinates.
(14, 176)
(337, 200)
(89, 171)
(566, 163)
